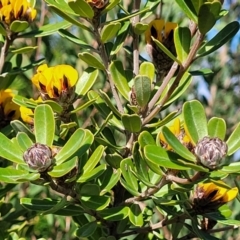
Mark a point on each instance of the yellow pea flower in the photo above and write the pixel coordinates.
(163, 32)
(27, 113)
(11, 10)
(210, 196)
(179, 133)
(8, 109)
(56, 82)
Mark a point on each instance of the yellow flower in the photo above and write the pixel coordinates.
(159, 30)
(179, 133)
(163, 32)
(8, 109)
(27, 113)
(11, 10)
(210, 196)
(56, 82)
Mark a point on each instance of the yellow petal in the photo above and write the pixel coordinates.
(26, 114)
(9, 107)
(230, 195)
(158, 25)
(169, 26)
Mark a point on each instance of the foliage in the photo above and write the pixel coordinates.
(93, 142)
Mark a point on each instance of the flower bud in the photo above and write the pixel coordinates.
(210, 151)
(38, 157)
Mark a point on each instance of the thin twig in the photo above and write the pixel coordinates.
(4, 51)
(181, 72)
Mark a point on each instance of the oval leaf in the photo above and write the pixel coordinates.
(142, 87)
(91, 60)
(24, 141)
(114, 213)
(132, 123)
(119, 78)
(233, 141)
(82, 8)
(163, 158)
(217, 128)
(110, 31)
(80, 141)
(135, 215)
(10, 151)
(44, 124)
(195, 120)
(177, 145)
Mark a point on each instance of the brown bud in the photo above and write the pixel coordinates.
(210, 151)
(38, 157)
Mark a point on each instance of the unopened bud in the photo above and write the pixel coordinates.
(38, 157)
(211, 151)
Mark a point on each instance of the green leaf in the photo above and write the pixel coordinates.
(166, 51)
(145, 138)
(147, 69)
(94, 159)
(24, 50)
(114, 160)
(110, 179)
(132, 123)
(94, 174)
(142, 87)
(110, 31)
(219, 39)
(24, 141)
(46, 204)
(79, 141)
(10, 151)
(163, 158)
(231, 168)
(66, 34)
(81, 8)
(86, 81)
(217, 128)
(126, 167)
(47, 30)
(57, 108)
(114, 213)
(81, 107)
(90, 190)
(182, 41)
(3, 30)
(86, 230)
(109, 103)
(61, 4)
(188, 9)
(233, 141)
(140, 28)
(135, 215)
(20, 127)
(121, 36)
(61, 204)
(91, 60)
(69, 19)
(209, 11)
(64, 168)
(9, 175)
(19, 26)
(177, 146)
(110, 5)
(195, 120)
(44, 124)
(119, 78)
(95, 202)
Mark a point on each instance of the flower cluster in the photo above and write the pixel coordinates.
(8, 109)
(210, 196)
(56, 82)
(11, 10)
(163, 32)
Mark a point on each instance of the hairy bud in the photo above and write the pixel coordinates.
(38, 157)
(210, 151)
